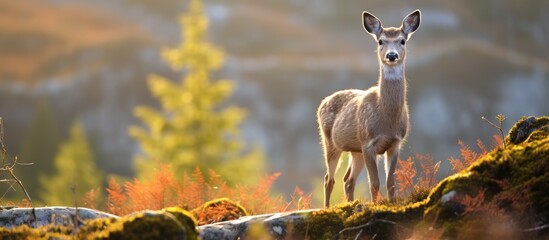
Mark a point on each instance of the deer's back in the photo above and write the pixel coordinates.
(349, 118)
(337, 116)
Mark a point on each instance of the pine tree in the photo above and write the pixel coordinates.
(76, 171)
(192, 128)
(39, 145)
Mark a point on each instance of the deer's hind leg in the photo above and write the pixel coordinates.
(331, 155)
(356, 163)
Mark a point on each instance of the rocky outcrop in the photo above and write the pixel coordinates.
(59, 223)
(275, 226)
(525, 127)
(37, 217)
(503, 195)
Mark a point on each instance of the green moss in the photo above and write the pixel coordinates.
(186, 219)
(386, 221)
(95, 225)
(539, 134)
(419, 195)
(142, 225)
(514, 181)
(324, 224)
(515, 134)
(225, 201)
(43, 232)
(168, 223)
(382, 220)
(218, 210)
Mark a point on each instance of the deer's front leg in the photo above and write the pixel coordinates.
(391, 157)
(373, 176)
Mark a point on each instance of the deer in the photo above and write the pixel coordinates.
(372, 122)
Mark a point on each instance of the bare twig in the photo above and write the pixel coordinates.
(500, 117)
(2, 135)
(10, 171)
(358, 234)
(535, 228)
(368, 224)
(307, 231)
(9, 168)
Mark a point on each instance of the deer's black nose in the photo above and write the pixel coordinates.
(392, 56)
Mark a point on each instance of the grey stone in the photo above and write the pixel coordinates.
(524, 130)
(278, 226)
(36, 217)
(448, 196)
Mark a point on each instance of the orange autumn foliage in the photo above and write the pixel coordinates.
(91, 198)
(405, 175)
(407, 179)
(299, 200)
(116, 199)
(163, 189)
(468, 156)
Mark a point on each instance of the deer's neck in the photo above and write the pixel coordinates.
(392, 89)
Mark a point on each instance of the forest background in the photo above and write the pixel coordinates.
(73, 73)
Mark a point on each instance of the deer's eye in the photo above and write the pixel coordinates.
(380, 42)
(402, 41)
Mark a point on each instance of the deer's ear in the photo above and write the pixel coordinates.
(411, 22)
(371, 24)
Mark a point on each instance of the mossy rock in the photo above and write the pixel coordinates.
(144, 225)
(524, 128)
(357, 220)
(43, 232)
(508, 185)
(503, 195)
(169, 223)
(186, 219)
(96, 225)
(507, 191)
(219, 210)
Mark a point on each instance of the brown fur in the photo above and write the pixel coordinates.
(371, 122)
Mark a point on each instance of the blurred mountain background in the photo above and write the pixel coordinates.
(63, 60)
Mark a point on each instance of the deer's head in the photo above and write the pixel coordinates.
(391, 41)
